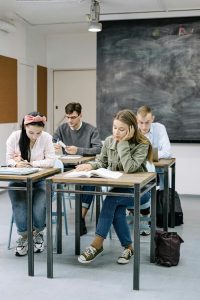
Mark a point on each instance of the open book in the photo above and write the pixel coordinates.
(102, 173)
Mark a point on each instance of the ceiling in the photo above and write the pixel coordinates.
(54, 16)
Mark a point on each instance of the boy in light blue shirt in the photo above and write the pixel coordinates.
(156, 133)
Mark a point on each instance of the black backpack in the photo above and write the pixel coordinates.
(167, 248)
(159, 209)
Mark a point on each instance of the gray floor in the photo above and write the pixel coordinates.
(103, 278)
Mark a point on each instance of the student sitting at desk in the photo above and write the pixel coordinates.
(80, 138)
(30, 147)
(157, 134)
(126, 150)
(154, 131)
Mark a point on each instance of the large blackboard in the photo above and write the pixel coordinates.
(155, 63)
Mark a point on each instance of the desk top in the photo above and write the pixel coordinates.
(126, 180)
(76, 161)
(35, 176)
(164, 162)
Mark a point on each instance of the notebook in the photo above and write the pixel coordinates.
(17, 171)
(71, 156)
(155, 154)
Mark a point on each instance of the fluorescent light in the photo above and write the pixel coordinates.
(7, 26)
(95, 27)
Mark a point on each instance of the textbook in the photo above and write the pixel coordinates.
(102, 173)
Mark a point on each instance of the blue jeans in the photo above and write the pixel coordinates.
(19, 206)
(161, 177)
(114, 212)
(87, 199)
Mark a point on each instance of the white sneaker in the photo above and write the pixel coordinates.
(21, 248)
(125, 256)
(38, 240)
(144, 226)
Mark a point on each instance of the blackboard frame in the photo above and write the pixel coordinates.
(151, 62)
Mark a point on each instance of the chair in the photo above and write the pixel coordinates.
(57, 164)
(144, 218)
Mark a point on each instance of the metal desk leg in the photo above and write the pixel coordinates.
(136, 266)
(77, 220)
(29, 186)
(172, 211)
(166, 198)
(49, 229)
(153, 223)
(97, 204)
(59, 221)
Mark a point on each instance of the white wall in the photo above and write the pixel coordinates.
(78, 51)
(69, 52)
(29, 48)
(187, 168)
(74, 51)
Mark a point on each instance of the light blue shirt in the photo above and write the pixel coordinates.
(159, 138)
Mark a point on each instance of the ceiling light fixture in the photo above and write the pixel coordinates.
(94, 25)
(6, 26)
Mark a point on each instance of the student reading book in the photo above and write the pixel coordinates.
(101, 172)
(127, 150)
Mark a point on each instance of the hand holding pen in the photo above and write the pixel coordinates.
(21, 163)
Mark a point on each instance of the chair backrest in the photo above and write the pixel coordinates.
(150, 167)
(58, 164)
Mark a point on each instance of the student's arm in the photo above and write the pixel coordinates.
(96, 145)
(132, 159)
(57, 135)
(164, 147)
(56, 138)
(101, 159)
(12, 149)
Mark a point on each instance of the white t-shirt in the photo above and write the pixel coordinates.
(159, 138)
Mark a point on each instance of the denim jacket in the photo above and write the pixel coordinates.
(126, 156)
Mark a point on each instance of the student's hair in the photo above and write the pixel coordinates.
(34, 119)
(128, 117)
(73, 106)
(144, 110)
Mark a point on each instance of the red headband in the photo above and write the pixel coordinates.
(31, 119)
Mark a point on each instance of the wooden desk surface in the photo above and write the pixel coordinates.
(76, 161)
(35, 176)
(164, 162)
(125, 180)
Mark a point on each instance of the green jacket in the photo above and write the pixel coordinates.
(125, 156)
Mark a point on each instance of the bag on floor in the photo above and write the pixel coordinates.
(167, 248)
(159, 209)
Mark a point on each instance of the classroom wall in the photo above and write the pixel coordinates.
(79, 51)
(28, 46)
(73, 51)
(69, 52)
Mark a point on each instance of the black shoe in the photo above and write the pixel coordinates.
(83, 229)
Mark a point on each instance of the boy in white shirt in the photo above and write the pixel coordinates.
(157, 134)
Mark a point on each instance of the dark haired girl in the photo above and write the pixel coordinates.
(30, 147)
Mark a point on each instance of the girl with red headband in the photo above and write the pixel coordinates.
(30, 147)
